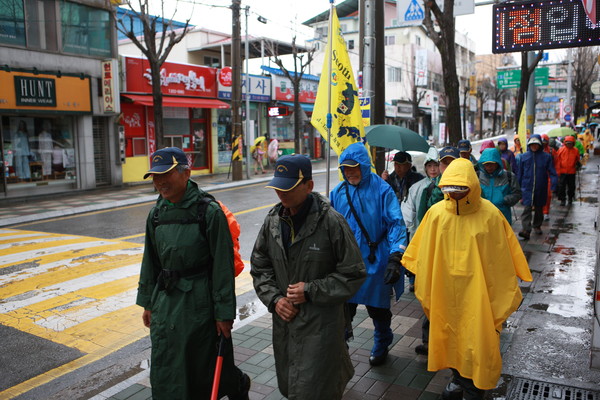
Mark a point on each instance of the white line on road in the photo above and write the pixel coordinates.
(26, 255)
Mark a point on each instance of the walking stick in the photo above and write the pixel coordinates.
(579, 186)
(215, 390)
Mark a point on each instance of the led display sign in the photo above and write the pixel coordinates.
(524, 26)
(281, 111)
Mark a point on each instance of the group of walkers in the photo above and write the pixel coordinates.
(315, 260)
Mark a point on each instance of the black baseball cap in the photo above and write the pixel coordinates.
(164, 160)
(402, 157)
(290, 170)
(464, 145)
(449, 151)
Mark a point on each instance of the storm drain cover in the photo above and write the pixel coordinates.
(527, 389)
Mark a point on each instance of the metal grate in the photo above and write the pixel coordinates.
(101, 164)
(526, 389)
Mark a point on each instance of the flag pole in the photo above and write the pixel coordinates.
(329, 118)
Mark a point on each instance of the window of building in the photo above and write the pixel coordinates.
(37, 149)
(390, 40)
(12, 23)
(85, 30)
(350, 44)
(41, 24)
(321, 32)
(212, 62)
(394, 74)
(418, 40)
(344, 28)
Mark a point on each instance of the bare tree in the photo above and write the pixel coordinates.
(442, 34)
(415, 99)
(295, 76)
(157, 40)
(526, 74)
(484, 89)
(585, 72)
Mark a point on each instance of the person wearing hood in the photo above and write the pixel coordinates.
(535, 168)
(567, 162)
(516, 148)
(550, 150)
(498, 185)
(305, 265)
(507, 155)
(371, 208)
(466, 293)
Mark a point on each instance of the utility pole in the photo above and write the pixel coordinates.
(378, 102)
(530, 117)
(249, 137)
(236, 92)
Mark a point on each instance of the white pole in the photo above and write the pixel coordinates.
(249, 136)
(329, 57)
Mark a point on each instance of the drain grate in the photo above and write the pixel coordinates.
(527, 389)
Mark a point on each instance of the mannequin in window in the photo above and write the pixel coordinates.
(22, 152)
(45, 147)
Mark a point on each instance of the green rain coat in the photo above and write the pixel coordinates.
(311, 357)
(183, 323)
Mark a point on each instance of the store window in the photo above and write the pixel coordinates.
(41, 24)
(38, 149)
(224, 136)
(176, 121)
(85, 30)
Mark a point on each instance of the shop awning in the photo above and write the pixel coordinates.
(305, 106)
(171, 101)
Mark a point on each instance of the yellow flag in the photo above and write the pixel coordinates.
(522, 132)
(346, 125)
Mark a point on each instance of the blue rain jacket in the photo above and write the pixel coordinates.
(378, 209)
(501, 186)
(534, 170)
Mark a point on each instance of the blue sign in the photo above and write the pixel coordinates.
(567, 117)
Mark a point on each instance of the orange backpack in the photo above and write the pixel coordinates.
(235, 230)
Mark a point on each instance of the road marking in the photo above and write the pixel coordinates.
(77, 291)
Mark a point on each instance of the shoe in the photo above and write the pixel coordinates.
(570, 201)
(453, 391)
(422, 349)
(245, 384)
(538, 231)
(563, 203)
(378, 360)
(524, 234)
(411, 288)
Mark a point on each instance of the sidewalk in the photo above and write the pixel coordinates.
(546, 343)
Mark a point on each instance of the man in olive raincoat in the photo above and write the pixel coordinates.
(367, 201)
(305, 265)
(466, 290)
(187, 287)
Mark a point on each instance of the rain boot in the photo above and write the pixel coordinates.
(383, 337)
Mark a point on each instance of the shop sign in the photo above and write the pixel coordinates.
(108, 92)
(45, 92)
(30, 91)
(175, 79)
(284, 91)
(260, 87)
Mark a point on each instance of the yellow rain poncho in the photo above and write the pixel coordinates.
(466, 259)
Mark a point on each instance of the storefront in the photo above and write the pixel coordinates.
(260, 95)
(41, 116)
(190, 115)
(282, 127)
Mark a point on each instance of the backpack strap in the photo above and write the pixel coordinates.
(372, 245)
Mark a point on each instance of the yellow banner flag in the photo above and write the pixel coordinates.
(346, 118)
(522, 132)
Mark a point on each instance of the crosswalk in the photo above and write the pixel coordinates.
(77, 291)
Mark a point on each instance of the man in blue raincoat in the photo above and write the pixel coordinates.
(535, 167)
(370, 206)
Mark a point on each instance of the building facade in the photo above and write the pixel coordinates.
(58, 97)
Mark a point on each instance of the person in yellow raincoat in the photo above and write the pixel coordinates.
(466, 289)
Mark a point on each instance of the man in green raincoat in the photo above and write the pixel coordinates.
(187, 287)
(305, 265)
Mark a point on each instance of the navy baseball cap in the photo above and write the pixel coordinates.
(164, 160)
(290, 171)
(349, 163)
(464, 145)
(449, 151)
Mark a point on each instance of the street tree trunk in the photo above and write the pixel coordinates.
(526, 73)
(443, 38)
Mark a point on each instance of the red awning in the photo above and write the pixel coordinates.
(171, 101)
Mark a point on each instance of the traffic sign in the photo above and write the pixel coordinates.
(567, 108)
(511, 78)
(567, 117)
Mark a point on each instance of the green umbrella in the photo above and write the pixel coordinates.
(562, 131)
(395, 137)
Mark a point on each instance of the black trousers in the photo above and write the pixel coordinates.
(566, 183)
